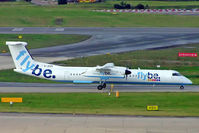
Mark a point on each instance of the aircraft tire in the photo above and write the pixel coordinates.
(181, 87)
(99, 87)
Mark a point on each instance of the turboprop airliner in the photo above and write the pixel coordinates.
(108, 73)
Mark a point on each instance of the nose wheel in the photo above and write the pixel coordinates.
(181, 87)
(100, 87)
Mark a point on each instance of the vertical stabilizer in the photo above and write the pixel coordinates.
(20, 55)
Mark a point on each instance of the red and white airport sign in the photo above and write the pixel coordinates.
(187, 54)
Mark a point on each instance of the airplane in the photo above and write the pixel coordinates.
(102, 75)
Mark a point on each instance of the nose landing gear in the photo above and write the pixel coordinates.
(181, 87)
(100, 87)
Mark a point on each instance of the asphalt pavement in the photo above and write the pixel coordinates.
(60, 123)
(109, 40)
(13, 87)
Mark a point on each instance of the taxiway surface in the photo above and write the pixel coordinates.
(12, 87)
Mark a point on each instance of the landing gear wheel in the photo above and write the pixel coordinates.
(99, 87)
(181, 87)
(104, 85)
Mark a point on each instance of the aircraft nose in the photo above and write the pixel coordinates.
(187, 81)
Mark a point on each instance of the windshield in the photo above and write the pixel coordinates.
(176, 74)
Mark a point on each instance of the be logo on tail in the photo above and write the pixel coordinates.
(47, 73)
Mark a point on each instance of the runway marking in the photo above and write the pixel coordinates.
(59, 29)
(18, 29)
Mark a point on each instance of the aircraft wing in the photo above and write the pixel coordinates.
(105, 68)
(108, 71)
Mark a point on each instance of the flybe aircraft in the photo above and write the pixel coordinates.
(101, 75)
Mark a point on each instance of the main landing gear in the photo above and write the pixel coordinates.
(100, 87)
(181, 87)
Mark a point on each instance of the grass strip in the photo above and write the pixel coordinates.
(75, 15)
(41, 40)
(170, 104)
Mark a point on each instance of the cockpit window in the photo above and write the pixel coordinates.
(176, 74)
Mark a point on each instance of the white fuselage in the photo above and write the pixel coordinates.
(89, 75)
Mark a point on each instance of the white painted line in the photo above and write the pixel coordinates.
(59, 29)
(151, 10)
(17, 29)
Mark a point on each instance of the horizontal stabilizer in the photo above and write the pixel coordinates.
(16, 43)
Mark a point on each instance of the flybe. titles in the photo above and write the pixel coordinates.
(47, 73)
(28, 66)
(38, 71)
(153, 77)
(149, 76)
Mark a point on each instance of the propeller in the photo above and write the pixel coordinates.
(127, 72)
